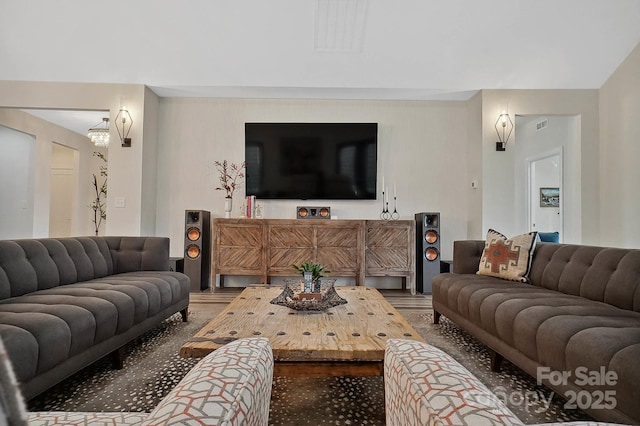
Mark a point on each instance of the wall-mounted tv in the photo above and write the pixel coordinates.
(311, 161)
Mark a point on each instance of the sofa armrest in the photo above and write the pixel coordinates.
(424, 385)
(230, 386)
(466, 256)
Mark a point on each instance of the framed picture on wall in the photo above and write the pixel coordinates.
(549, 197)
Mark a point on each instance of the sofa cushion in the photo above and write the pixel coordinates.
(49, 326)
(601, 274)
(507, 258)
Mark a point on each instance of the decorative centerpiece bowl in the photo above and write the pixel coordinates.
(294, 297)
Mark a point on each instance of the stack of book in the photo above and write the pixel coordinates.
(250, 206)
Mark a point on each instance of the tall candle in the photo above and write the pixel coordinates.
(395, 190)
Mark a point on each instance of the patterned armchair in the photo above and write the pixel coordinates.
(231, 386)
(425, 386)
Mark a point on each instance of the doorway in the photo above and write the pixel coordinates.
(64, 190)
(545, 192)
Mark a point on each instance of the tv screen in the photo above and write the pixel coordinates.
(305, 161)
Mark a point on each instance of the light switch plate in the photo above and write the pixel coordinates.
(120, 202)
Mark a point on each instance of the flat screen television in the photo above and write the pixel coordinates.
(311, 161)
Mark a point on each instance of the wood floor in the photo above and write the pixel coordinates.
(402, 300)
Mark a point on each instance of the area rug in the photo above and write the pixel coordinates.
(153, 367)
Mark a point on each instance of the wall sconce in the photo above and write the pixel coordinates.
(100, 135)
(123, 125)
(505, 122)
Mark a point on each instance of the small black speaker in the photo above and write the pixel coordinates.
(427, 250)
(305, 212)
(197, 248)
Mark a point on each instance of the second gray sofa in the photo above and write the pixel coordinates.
(575, 326)
(65, 303)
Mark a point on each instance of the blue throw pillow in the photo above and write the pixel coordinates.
(549, 237)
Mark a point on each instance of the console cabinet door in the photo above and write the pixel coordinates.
(340, 247)
(238, 247)
(289, 243)
(390, 248)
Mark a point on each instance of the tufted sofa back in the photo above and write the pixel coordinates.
(29, 265)
(609, 275)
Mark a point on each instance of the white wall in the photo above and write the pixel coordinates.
(433, 151)
(16, 183)
(64, 190)
(126, 164)
(46, 134)
(474, 164)
(619, 155)
(422, 148)
(149, 164)
(562, 132)
(499, 168)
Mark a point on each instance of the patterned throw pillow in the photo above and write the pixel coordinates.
(507, 258)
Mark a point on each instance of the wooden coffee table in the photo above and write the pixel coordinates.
(346, 340)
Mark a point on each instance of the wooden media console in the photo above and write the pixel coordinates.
(348, 248)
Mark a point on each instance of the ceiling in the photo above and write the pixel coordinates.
(319, 49)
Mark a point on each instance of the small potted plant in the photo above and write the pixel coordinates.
(311, 273)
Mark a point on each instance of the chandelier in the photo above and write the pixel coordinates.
(100, 135)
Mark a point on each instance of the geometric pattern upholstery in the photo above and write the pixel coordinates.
(59, 418)
(424, 385)
(507, 258)
(230, 386)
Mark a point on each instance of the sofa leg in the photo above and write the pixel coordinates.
(496, 361)
(185, 314)
(117, 358)
(436, 317)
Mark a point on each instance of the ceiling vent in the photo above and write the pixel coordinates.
(340, 25)
(543, 124)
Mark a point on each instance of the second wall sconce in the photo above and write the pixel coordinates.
(123, 125)
(504, 127)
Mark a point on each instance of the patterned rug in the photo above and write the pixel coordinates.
(153, 367)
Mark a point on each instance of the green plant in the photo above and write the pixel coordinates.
(316, 269)
(99, 205)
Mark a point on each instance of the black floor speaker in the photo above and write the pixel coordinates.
(197, 248)
(427, 250)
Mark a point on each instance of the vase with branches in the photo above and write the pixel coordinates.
(230, 176)
(99, 204)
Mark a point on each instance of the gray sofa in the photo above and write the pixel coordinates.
(67, 302)
(578, 319)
